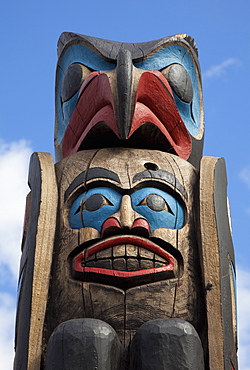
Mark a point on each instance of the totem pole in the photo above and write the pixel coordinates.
(127, 256)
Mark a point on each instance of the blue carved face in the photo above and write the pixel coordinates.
(126, 216)
(159, 208)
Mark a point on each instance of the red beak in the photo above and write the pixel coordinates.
(153, 103)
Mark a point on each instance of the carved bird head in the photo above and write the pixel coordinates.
(145, 95)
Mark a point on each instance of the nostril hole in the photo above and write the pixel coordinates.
(151, 166)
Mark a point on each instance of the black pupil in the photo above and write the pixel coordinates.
(155, 202)
(71, 81)
(94, 202)
(181, 83)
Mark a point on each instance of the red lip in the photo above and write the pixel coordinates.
(126, 239)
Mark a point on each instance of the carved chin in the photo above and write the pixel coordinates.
(124, 261)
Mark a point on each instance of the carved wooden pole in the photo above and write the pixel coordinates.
(127, 260)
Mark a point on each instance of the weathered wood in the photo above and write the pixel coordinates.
(36, 261)
(217, 263)
(126, 296)
(109, 49)
(126, 101)
(127, 251)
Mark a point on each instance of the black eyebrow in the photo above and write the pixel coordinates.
(92, 173)
(161, 175)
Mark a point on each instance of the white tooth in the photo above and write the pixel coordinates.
(159, 264)
(106, 264)
(105, 253)
(119, 264)
(131, 250)
(144, 253)
(160, 259)
(119, 251)
(146, 264)
(91, 264)
(132, 264)
(91, 258)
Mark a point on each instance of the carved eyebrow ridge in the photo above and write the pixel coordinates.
(161, 175)
(92, 173)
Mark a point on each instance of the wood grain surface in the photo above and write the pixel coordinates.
(36, 261)
(217, 259)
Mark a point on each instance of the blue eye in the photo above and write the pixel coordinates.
(160, 209)
(93, 207)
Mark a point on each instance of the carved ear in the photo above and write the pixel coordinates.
(218, 263)
(35, 266)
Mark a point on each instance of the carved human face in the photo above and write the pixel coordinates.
(125, 220)
(127, 211)
(126, 249)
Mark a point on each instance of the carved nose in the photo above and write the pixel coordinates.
(127, 214)
(126, 218)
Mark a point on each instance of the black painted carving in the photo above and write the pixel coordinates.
(161, 175)
(91, 174)
(180, 82)
(83, 344)
(170, 344)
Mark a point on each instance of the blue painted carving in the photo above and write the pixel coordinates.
(164, 211)
(159, 208)
(80, 215)
(167, 56)
(74, 54)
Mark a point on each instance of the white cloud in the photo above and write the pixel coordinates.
(7, 319)
(14, 161)
(243, 278)
(245, 175)
(218, 70)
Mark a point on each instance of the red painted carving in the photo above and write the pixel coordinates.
(110, 223)
(95, 104)
(114, 223)
(155, 104)
(121, 240)
(142, 223)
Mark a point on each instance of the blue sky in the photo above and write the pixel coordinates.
(29, 34)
